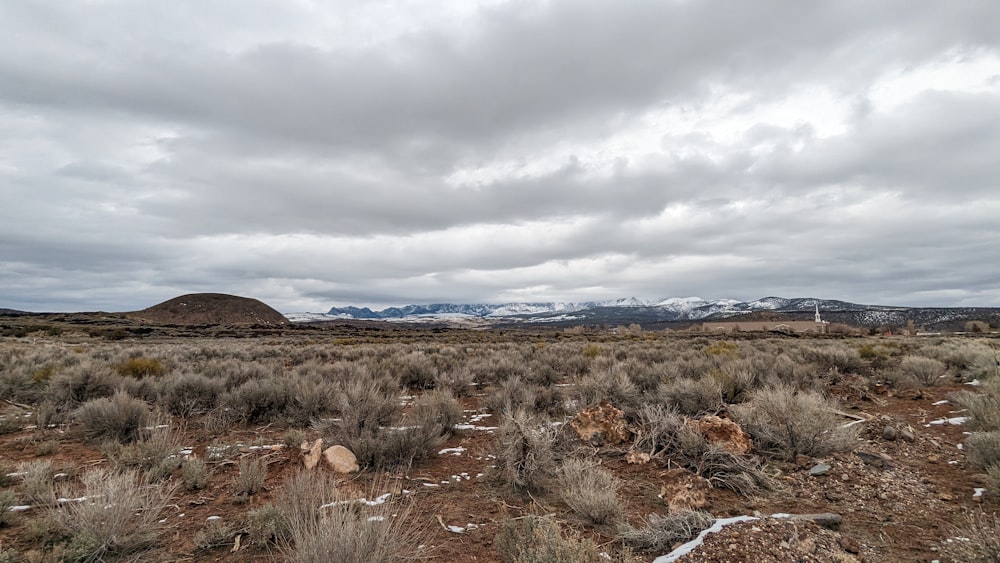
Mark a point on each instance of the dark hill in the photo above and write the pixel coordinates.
(212, 308)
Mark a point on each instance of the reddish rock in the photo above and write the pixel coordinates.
(725, 433)
(603, 425)
(683, 490)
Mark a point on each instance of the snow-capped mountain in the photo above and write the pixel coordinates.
(671, 309)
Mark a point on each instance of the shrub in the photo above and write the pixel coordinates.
(740, 474)
(38, 483)
(978, 541)
(692, 397)
(258, 401)
(983, 408)
(415, 370)
(267, 526)
(526, 459)
(140, 367)
(250, 479)
(195, 473)
(120, 417)
(925, 371)
(612, 384)
(189, 393)
(118, 519)
(155, 453)
(311, 400)
(592, 492)
(7, 500)
(662, 533)
(515, 394)
(658, 430)
(983, 449)
(215, 533)
(81, 384)
(458, 381)
(788, 422)
(324, 526)
(534, 539)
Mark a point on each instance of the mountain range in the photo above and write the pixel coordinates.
(672, 309)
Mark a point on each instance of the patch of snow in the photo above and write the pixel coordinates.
(954, 421)
(941, 402)
(453, 451)
(376, 518)
(974, 382)
(978, 492)
(210, 518)
(688, 547)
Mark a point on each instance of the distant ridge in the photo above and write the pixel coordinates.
(212, 309)
(672, 309)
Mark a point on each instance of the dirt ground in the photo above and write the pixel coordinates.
(898, 506)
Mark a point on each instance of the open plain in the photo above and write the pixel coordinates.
(156, 442)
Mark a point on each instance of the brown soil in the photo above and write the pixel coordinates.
(212, 308)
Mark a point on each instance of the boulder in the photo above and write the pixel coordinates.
(683, 490)
(341, 459)
(725, 433)
(603, 425)
(311, 454)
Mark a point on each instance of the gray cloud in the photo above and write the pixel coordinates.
(371, 153)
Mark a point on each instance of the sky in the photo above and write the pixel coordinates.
(313, 154)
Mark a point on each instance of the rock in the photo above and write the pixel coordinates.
(845, 477)
(341, 459)
(683, 490)
(889, 433)
(875, 460)
(908, 434)
(635, 457)
(824, 519)
(933, 458)
(311, 454)
(726, 433)
(819, 469)
(945, 496)
(849, 544)
(603, 425)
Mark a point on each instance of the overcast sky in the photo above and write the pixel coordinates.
(359, 152)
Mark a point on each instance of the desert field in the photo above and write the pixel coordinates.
(495, 446)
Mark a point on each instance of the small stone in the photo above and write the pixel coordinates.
(933, 458)
(883, 496)
(845, 477)
(889, 433)
(945, 496)
(907, 434)
(635, 457)
(849, 544)
(874, 459)
(832, 496)
(819, 469)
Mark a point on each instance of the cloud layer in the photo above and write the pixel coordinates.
(377, 153)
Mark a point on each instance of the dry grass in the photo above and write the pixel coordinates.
(250, 479)
(978, 541)
(535, 539)
(119, 518)
(662, 533)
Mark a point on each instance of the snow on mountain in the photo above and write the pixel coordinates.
(671, 309)
(626, 302)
